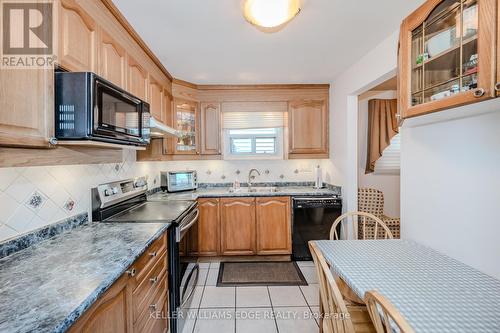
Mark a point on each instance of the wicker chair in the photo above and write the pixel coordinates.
(338, 315)
(381, 309)
(369, 226)
(372, 201)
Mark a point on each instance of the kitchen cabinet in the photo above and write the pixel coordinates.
(447, 55)
(77, 39)
(210, 129)
(127, 305)
(205, 238)
(168, 111)
(137, 79)
(237, 226)
(186, 120)
(308, 128)
(112, 60)
(273, 225)
(156, 99)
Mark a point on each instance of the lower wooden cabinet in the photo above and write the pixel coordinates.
(136, 302)
(242, 226)
(273, 225)
(205, 240)
(237, 226)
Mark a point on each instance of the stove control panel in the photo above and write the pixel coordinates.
(317, 202)
(115, 192)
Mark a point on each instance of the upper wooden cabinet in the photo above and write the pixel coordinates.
(137, 79)
(186, 120)
(210, 129)
(274, 231)
(112, 60)
(447, 55)
(77, 38)
(237, 226)
(308, 128)
(156, 99)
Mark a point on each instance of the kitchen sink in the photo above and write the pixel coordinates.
(256, 189)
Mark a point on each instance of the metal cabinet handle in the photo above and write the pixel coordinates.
(497, 86)
(154, 280)
(153, 254)
(479, 92)
(131, 272)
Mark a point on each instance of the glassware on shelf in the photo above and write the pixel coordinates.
(444, 52)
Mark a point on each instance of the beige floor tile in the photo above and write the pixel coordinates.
(215, 321)
(286, 296)
(215, 264)
(311, 293)
(315, 311)
(310, 274)
(213, 274)
(295, 320)
(204, 265)
(195, 302)
(247, 297)
(189, 321)
(305, 263)
(218, 297)
(251, 320)
(202, 277)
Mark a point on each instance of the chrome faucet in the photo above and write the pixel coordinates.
(250, 178)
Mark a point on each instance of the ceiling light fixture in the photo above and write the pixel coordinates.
(270, 15)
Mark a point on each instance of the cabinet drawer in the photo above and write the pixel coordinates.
(147, 288)
(148, 315)
(148, 259)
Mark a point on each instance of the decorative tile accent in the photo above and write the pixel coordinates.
(69, 205)
(36, 201)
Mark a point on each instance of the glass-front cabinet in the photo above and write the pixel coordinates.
(447, 55)
(186, 120)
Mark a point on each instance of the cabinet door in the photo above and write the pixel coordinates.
(156, 99)
(208, 227)
(448, 50)
(237, 226)
(112, 60)
(111, 313)
(168, 114)
(137, 79)
(186, 120)
(274, 234)
(210, 129)
(308, 126)
(26, 107)
(77, 38)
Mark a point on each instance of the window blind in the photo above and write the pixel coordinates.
(389, 163)
(254, 119)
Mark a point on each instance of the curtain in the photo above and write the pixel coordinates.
(382, 126)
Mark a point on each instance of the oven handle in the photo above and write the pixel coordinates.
(191, 292)
(184, 228)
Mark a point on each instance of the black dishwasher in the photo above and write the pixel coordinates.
(312, 219)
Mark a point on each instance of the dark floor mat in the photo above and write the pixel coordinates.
(282, 273)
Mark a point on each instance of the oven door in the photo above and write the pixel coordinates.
(117, 114)
(189, 270)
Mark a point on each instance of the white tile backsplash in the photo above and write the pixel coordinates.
(60, 184)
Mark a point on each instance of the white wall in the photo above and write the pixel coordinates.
(389, 184)
(451, 186)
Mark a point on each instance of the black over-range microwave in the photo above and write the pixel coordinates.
(89, 107)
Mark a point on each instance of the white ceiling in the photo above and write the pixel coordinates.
(209, 41)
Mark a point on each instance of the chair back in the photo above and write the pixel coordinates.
(336, 316)
(371, 201)
(385, 316)
(368, 225)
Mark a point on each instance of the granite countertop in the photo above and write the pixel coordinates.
(48, 286)
(219, 192)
